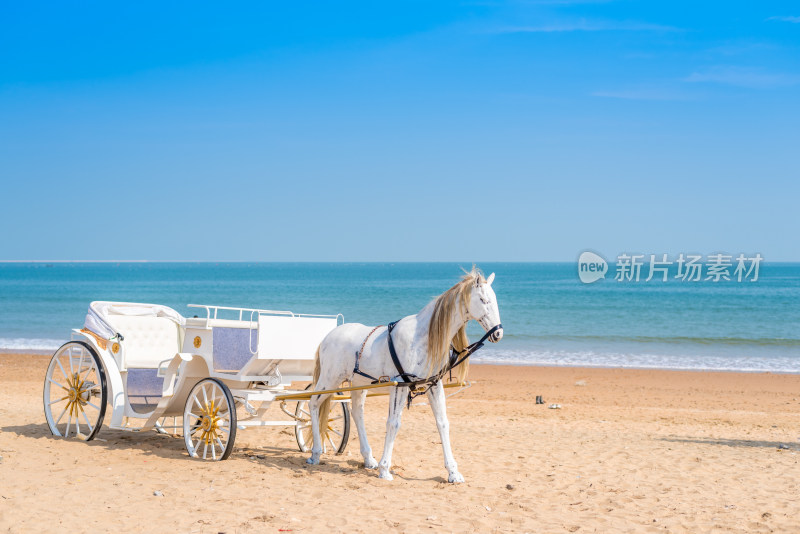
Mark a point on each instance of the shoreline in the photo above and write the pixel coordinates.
(39, 353)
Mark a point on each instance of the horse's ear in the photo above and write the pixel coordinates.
(490, 279)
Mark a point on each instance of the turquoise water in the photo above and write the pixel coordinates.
(549, 316)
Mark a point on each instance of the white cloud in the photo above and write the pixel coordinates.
(566, 2)
(652, 93)
(583, 25)
(793, 20)
(738, 48)
(742, 77)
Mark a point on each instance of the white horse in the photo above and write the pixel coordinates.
(422, 344)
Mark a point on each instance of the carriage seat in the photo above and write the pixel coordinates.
(148, 340)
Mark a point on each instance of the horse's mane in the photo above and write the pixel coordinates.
(439, 335)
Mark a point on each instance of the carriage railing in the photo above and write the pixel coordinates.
(254, 311)
(215, 310)
(254, 314)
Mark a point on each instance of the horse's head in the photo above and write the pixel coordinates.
(483, 307)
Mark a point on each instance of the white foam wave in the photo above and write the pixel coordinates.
(26, 344)
(788, 363)
(705, 362)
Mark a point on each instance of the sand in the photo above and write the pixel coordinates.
(629, 451)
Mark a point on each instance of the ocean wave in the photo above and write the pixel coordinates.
(786, 363)
(670, 340)
(26, 344)
(775, 361)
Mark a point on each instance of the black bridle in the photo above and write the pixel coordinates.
(456, 358)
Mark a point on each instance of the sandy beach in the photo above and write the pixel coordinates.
(628, 451)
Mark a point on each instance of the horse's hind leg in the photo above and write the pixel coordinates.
(437, 402)
(397, 402)
(314, 407)
(357, 407)
(328, 374)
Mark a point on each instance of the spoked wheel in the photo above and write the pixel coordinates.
(75, 392)
(338, 427)
(209, 421)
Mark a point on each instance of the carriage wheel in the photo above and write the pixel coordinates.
(338, 427)
(209, 421)
(75, 392)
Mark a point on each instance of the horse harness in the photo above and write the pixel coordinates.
(417, 386)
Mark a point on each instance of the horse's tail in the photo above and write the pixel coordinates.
(325, 405)
(316, 370)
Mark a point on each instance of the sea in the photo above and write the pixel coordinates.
(549, 316)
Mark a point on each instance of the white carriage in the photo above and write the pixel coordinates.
(204, 376)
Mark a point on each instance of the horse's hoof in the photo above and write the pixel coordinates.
(455, 478)
(385, 475)
(312, 461)
(370, 463)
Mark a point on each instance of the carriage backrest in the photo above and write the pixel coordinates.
(148, 340)
(292, 338)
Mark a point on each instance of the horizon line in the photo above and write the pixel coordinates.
(277, 261)
(320, 261)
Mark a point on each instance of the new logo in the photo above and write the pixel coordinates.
(591, 267)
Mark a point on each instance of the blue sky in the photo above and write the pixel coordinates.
(439, 131)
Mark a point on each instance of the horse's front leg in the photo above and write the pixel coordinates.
(436, 400)
(397, 402)
(357, 407)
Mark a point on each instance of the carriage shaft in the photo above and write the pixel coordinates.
(338, 396)
(306, 395)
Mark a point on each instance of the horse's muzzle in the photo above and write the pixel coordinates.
(496, 336)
